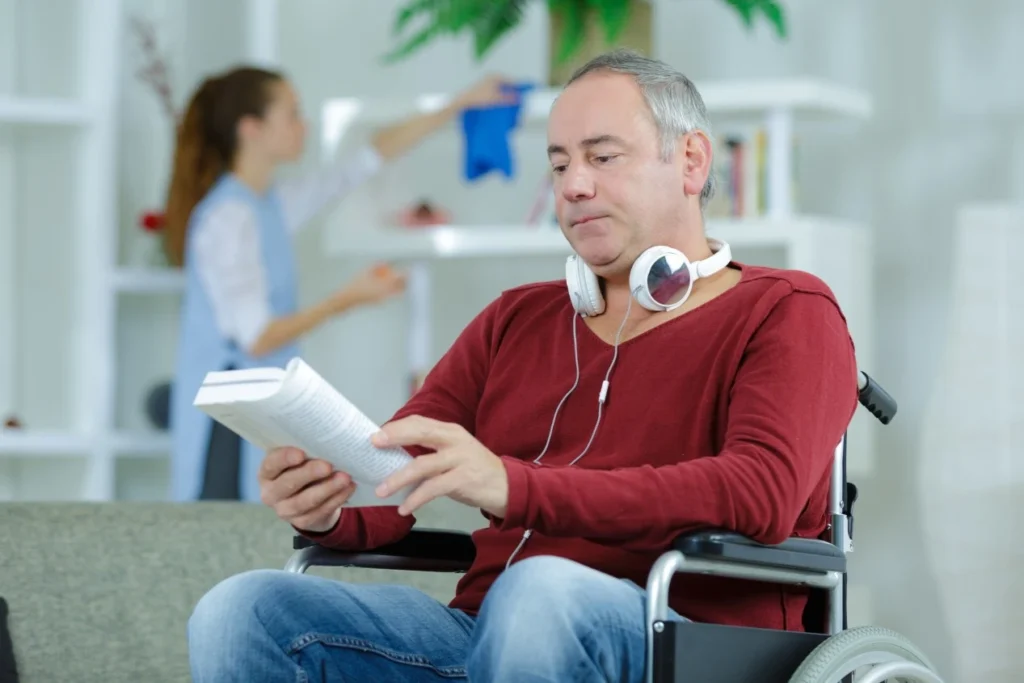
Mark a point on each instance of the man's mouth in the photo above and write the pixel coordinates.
(584, 220)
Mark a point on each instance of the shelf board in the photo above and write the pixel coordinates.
(145, 443)
(42, 111)
(452, 241)
(43, 443)
(148, 280)
(801, 96)
(57, 443)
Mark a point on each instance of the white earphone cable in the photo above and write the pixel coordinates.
(576, 357)
(602, 397)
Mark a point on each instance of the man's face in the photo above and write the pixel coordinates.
(614, 194)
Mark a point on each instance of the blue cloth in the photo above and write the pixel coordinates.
(544, 619)
(485, 134)
(202, 348)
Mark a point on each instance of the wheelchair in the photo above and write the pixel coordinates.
(826, 651)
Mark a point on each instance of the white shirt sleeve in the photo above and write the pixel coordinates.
(229, 262)
(303, 197)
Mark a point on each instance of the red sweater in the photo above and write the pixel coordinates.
(724, 417)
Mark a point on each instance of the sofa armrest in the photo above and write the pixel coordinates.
(805, 554)
(426, 550)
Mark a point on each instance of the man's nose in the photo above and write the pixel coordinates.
(577, 184)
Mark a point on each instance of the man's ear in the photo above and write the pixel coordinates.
(697, 157)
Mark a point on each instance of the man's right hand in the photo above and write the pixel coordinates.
(304, 492)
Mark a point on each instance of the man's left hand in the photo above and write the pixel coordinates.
(460, 467)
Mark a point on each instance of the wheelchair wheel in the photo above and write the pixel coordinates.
(890, 656)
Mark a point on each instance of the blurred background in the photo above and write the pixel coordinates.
(877, 144)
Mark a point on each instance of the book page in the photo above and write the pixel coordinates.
(341, 432)
(306, 412)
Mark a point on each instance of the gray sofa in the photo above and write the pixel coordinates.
(103, 591)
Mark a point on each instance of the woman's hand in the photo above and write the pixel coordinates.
(371, 286)
(489, 92)
(395, 140)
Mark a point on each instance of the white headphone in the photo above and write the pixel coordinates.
(585, 290)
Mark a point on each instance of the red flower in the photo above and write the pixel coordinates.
(152, 221)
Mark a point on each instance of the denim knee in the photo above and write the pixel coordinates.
(225, 627)
(229, 604)
(548, 585)
(548, 618)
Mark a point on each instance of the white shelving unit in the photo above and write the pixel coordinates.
(81, 124)
(838, 251)
(147, 281)
(43, 111)
(260, 18)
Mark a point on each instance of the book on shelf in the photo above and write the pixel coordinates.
(294, 406)
(741, 170)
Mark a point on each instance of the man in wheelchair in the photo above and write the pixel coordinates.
(662, 388)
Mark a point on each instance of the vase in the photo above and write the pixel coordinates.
(636, 35)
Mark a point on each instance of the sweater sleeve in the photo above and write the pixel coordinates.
(792, 399)
(451, 393)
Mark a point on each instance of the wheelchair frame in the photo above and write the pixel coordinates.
(679, 650)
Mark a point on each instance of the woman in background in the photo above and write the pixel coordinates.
(230, 225)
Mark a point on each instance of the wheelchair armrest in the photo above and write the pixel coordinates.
(426, 550)
(794, 553)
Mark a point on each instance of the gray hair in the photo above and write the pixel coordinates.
(672, 98)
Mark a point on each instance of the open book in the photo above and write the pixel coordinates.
(295, 406)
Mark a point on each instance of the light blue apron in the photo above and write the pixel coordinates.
(202, 348)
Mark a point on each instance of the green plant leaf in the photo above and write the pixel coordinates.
(497, 19)
(456, 15)
(490, 20)
(773, 12)
(406, 14)
(418, 40)
(573, 16)
(443, 17)
(614, 16)
(745, 8)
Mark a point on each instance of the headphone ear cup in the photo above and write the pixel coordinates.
(584, 288)
(638, 278)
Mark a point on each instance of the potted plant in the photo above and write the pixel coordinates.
(580, 29)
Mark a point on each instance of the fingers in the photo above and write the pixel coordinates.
(293, 480)
(278, 460)
(309, 501)
(429, 490)
(323, 518)
(416, 430)
(423, 467)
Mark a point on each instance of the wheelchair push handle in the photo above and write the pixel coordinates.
(876, 399)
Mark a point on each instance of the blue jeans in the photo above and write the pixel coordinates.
(544, 619)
